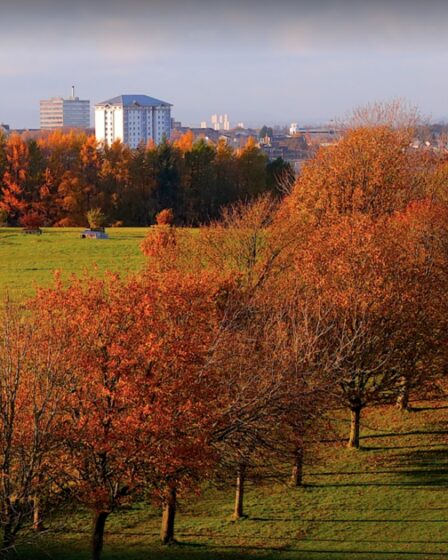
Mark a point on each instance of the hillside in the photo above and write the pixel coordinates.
(388, 501)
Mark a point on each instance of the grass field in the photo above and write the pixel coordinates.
(388, 500)
(27, 261)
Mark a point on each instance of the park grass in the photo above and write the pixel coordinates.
(28, 261)
(388, 500)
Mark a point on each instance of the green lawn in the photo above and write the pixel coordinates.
(28, 260)
(389, 500)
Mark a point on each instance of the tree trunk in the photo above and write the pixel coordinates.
(353, 442)
(37, 515)
(297, 469)
(403, 394)
(168, 517)
(8, 537)
(238, 512)
(98, 534)
(8, 527)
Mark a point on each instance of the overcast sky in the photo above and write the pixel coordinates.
(260, 62)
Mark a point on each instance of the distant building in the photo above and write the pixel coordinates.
(220, 122)
(59, 112)
(293, 129)
(4, 129)
(207, 134)
(132, 119)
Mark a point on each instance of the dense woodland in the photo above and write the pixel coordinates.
(57, 179)
(228, 355)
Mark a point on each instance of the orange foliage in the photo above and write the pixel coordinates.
(165, 217)
(185, 142)
(141, 407)
(370, 170)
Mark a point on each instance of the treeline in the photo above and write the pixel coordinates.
(230, 353)
(58, 179)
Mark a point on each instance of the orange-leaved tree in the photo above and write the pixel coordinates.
(140, 407)
(34, 376)
(372, 278)
(371, 170)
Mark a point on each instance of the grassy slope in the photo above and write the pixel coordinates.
(388, 500)
(30, 260)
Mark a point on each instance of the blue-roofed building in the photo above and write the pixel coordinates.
(133, 119)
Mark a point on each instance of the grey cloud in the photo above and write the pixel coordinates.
(242, 56)
(285, 24)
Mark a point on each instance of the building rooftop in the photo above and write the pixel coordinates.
(137, 100)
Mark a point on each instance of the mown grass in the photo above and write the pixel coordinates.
(388, 500)
(28, 260)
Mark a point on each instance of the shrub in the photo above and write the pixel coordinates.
(165, 217)
(96, 218)
(32, 220)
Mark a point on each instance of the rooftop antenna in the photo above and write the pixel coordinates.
(73, 92)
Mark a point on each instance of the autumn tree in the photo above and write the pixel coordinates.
(226, 177)
(420, 234)
(309, 394)
(90, 160)
(160, 243)
(104, 419)
(279, 177)
(254, 392)
(34, 378)
(140, 409)
(187, 334)
(199, 182)
(62, 175)
(168, 174)
(185, 142)
(246, 245)
(371, 170)
(96, 218)
(373, 290)
(398, 114)
(251, 165)
(352, 196)
(13, 199)
(136, 199)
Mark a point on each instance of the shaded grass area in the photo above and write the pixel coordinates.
(389, 500)
(27, 261)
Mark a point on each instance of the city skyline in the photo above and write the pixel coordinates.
(300, 61)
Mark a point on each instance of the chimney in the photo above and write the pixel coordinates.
(73, 92)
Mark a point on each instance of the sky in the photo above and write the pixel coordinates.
(261, 62)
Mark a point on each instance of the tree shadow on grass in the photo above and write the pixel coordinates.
(425, 408)
(235, 552)
(398, 447)
(437, 471)
(405, 485)
(431, 467)
(386, 435)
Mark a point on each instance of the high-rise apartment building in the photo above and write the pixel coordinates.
(293, 129)
(59, 112)
(132, 119)
(220, 122)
